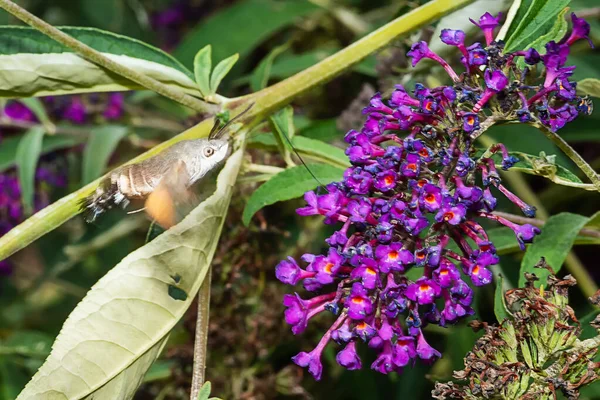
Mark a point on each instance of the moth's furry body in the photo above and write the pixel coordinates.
(175, 169)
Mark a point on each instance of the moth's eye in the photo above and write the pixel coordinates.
(209, 151)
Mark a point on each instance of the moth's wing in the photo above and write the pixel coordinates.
(172, 199)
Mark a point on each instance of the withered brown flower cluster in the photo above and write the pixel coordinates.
(535, 353)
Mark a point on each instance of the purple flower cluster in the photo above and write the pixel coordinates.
(410, 205)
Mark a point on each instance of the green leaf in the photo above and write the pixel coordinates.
(556, 32)
(202, 68)
(116, 332)
(535, 23)
(289, 184)
(306, 147)
(261, 74)
(32, 64)
(499, 302)
(102, 143)
(9, 145)
(204, 391)
(27, 156)
(554, 243)
(515, 14)
(589, 87)
(221, 70)
(241, 27)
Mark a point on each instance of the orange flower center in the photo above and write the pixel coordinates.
(423, 153)
(388, 180)
(357, 300)
(430, 198)
(448, 216)
(444, 272)
(371, 271)
(476, 270)
(412, 166)
(328, 267)
(392, 255)
(424, 287)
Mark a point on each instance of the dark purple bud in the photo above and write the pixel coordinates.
(452, 37)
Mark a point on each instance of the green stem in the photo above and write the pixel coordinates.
(265, 102)
(263, 169)
(98, 58)
(201, 336)
(572, 154)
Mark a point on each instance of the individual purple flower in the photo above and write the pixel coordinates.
(476, 56)
(581, 30)
(288, 271)
(359, 210)
(446, 274)
(403, 351)
(495, 80)
(423, 291)
(368, 273)
(311, 360)
(383, 363)
(453, 37)
(470, 122)
(487, 23)
(348, 358)
(359, 303)
(420, 50)
(411, 166)
(431, 197)
(385, 181)
(424, 349)
(451, 214)
(393, 257)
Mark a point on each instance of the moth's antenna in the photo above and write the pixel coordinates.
(303, 163)
(216, 134)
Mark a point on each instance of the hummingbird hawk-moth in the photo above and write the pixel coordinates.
(163, 181)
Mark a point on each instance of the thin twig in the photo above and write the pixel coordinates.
(201, 336)
(98, 58)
